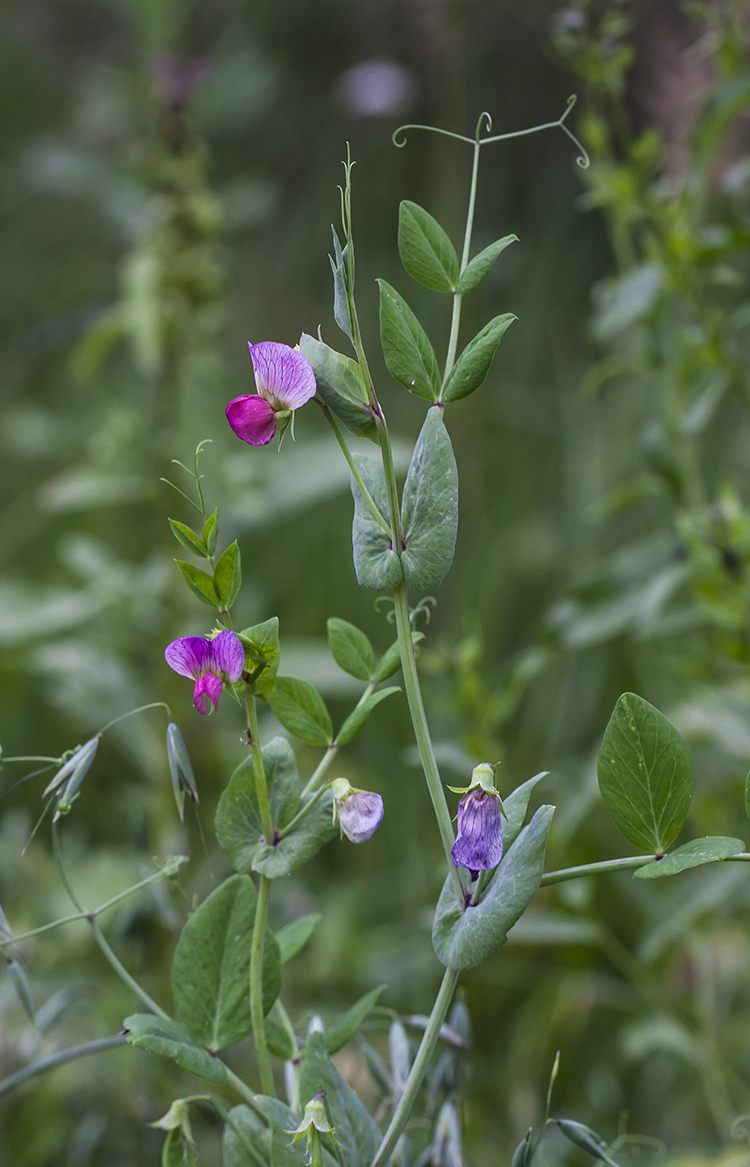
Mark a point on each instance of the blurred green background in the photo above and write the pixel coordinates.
(145, 236)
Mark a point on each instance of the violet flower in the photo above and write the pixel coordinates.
(211, 663)
(479, 842)
(360, 812)
(285, 381)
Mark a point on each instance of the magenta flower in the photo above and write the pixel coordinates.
(211, 663)
(360, 812)
(479, 842)
(285, 381)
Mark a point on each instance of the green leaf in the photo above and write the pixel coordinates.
(301, 709)
(376, 564)
(351, 649)
(211, 532)
(279, 1040)
(463, 938)
(712, 849)
(344, 1028)
(293, 937)
(357, 1132)
(475, 272)
(429, 508)
(211, 966)
(177, 1151)
(342, 386)
(228, 575)
(188, 538)
(645, 774)
(239, 827)
(200, 583)
(246, 1130)
(473, 365)
(390, 661)
(426, 251)
(261, 643)
(171, 1040)
(360, 713)
(515, 806)
(407, 350)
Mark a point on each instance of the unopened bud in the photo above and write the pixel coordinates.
(180, 768)
(79, 763)
(360, 812)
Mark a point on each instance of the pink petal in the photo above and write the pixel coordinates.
(227, 656)
(206, 688)
(252, 419)
(188, 656)
(282, 374)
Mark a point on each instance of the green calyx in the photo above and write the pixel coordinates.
(482, 778)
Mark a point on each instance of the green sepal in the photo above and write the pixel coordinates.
(261, 644)
(472, 367)
(426, 251)
(477, 271)
(407, 350)
(228, 576)
(200, 584)
(188, 538)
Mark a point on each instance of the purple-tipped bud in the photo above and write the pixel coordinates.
(360, 812)
(479, 843)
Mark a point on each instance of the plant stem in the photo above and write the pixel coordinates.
(390, 484)
(322, 766)
(261, 788)
(244, 1090)
(422, 732)
(104, 947)
(82, 915)
(598, 868)
(355, 472)
(457, 299)
(59, 1058)
(256, 988)
(418, 1070)
(307, 807)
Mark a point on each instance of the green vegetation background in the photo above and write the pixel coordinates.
(591, 558)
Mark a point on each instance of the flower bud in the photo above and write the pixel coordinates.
(314, 1124)
(80, 762)
(360, 812)
(180, 768)
(479, 842)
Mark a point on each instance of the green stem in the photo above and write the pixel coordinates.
(418, 1070)
(307, 807)
(389, 470)
(104, 947)
(457, 299)
(249, 1095)
(355, 472)
(323, 765)
(59, 1058)
(256, 988)
(422, 732)
(82, 915)
(599, 868)
(261, 787)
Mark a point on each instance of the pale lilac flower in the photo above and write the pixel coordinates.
(360, 812)
(285, 381)
(211, 664)
(479, 843)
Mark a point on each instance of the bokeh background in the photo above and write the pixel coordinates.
(169, 174)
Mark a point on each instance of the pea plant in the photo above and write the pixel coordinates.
(227, 966)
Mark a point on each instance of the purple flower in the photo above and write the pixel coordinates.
(479, 843)
(211, 664)
(285, 381)
(360, 812)
(178, 77)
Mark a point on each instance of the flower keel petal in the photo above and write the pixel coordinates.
(252, 419)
